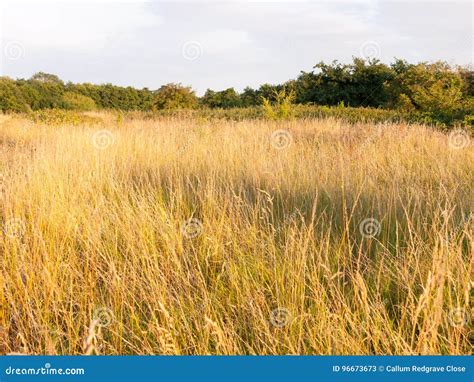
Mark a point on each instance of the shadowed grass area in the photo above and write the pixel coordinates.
(218, 237)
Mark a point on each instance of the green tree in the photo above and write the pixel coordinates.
(75, 101)
(46, 78)
(11, 97)
(174, 96)
(49, 89)
(209, 99)
(435, 89)
(268, 92)
(225, 99)
(368, 85)
(249, 97)
(362, 83)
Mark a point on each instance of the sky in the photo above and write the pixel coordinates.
(220, 44)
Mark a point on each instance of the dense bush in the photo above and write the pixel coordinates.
(61, 117)
(75, 101)
(436, 90)
(435, 93)
(174, 96)
(281, 108)
(362, 83)
(11, 96)
(225, 99)
(347, 114)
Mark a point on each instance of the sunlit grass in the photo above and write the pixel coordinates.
(211, 237)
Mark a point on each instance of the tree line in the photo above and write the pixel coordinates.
(439, 90)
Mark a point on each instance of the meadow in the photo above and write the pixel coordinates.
(205, 236)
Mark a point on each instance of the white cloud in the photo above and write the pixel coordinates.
(244, 42)
(225, 40)
(72, 26)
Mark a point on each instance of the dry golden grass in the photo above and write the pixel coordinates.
(99, 255)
